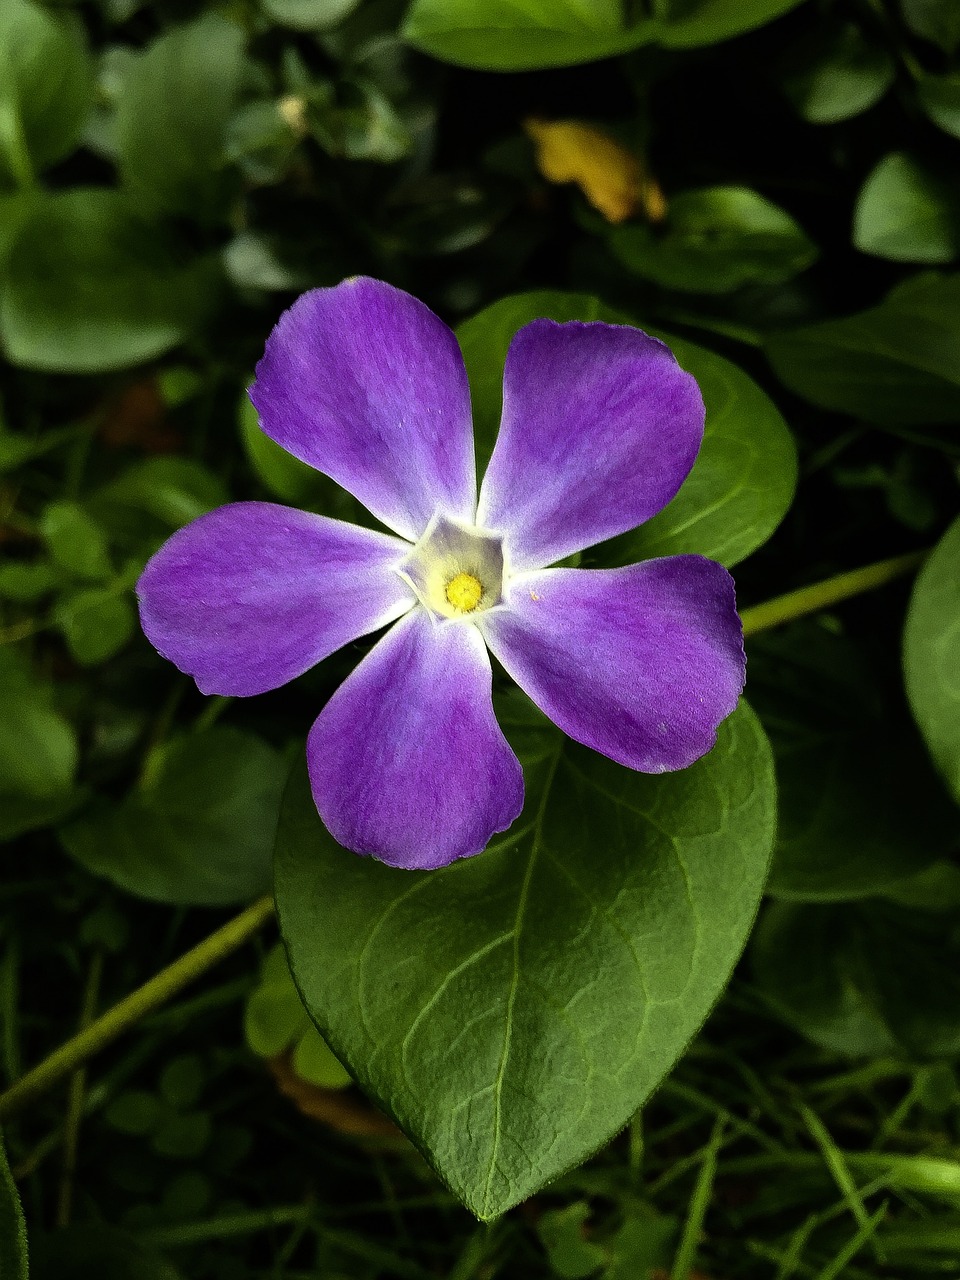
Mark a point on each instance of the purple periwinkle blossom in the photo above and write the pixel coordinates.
(600, 428)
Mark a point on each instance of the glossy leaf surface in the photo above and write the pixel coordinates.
(513, 35)
(513, 1010)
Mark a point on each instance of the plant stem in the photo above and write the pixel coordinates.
(63, 1061)
(236, 1224)
(71, 1055)
(796, 604)
(75, 1101)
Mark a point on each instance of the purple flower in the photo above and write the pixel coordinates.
(600, 427)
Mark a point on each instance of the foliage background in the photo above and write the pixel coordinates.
(171, 175)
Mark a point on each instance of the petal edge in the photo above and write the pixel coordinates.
(600, 428)
(641, 664)
(251, 595)
(407, 761)
(363, 382)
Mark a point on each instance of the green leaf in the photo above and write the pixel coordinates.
(283, 474)
(38, 752)
(859, 807)
(57, 312)
(174, 490)
(14, 211)
(515, 35)
(907, 213)
(13, 1228)
(744, 478)
(197, 830)
(936, 20)
(931, 655)
(75, 541)
(358, 122)
(512, 1011)
(688, 24)
(274, 1018)
(570, 1254)
(868, 978)
(17, 448)
(172, 116)
(518, 35)
(46, 88)
(96, 623)
(940, 98)
(715, 240)
(837, 75)
(314, 1061)
(27, 582)
(309, 15)
(897, 363)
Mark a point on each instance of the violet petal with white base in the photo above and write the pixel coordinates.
(366, 384)
(253, 594)
(641, 663)
(600, 428)
(407, 761)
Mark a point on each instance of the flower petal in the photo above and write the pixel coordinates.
(600, 428)
(640, 663)
(407, 761)
(253, 594)
(366, 384)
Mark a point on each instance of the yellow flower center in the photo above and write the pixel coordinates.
(464, 592)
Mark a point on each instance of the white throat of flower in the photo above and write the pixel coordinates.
(456, 570)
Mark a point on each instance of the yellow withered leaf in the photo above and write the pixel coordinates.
(611, 177)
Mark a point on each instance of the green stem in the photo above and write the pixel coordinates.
(822, 595)
(699, 1203)
(236, 1224)
(75, 1100)
(65, 1060)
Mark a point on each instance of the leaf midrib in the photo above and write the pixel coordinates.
(536, 845)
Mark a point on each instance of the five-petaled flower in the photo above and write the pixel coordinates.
(600, 428)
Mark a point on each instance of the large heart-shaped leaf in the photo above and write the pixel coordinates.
(513, 1010)
(744, 478)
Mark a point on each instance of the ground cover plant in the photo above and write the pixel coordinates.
(656, 1006)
